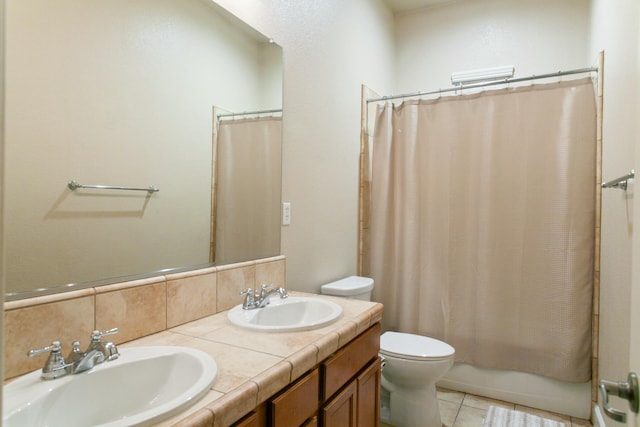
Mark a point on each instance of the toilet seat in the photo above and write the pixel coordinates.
(414, 347)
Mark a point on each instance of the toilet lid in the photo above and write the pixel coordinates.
(417, 347)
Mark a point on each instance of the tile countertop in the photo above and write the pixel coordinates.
(253, 366)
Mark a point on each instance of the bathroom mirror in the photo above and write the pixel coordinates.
(120, 93)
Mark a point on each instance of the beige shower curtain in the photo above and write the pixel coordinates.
(248, 187)
(482, 224)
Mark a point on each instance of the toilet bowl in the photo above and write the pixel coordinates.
(412, 366)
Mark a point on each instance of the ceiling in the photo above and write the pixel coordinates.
(405, 5)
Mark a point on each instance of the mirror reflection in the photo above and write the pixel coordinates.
(247, 190)
(121, 93)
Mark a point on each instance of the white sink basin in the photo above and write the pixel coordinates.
(287, 315)
(144, 385)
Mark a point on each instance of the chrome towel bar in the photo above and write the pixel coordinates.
(619, 182)
(73, 185)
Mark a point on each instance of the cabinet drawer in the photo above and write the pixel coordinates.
(298, 403)
(341, 367)
(257, 418)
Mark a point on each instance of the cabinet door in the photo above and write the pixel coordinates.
(369, 395)
(297, 403)
(341, 411)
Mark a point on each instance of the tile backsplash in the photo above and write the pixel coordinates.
(138, 308)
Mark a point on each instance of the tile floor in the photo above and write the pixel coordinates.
(459, 409)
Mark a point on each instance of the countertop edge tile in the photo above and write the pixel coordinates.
(376, 313)
(272, 380)
(327, 345)
(363, 321)
(202, 418)
(302, 361)
(234, 404)
(347, 332)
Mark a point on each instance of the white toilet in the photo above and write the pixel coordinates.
(413, 365)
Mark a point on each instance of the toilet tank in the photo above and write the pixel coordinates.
(356, 287)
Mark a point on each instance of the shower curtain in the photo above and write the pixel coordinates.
(482, 224)
(248, 185)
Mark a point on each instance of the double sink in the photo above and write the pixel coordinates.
(147, 384)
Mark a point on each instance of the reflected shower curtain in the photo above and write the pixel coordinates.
(248, 187)
(482, 224)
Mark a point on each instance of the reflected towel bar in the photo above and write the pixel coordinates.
(73, 185)
(619, 182)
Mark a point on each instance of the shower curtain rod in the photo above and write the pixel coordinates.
(250, 113)
(483, 84)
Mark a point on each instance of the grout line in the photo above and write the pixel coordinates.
(455, 419)
(572, 422)
(569, 423)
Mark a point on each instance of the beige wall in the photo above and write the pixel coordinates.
(535, 37)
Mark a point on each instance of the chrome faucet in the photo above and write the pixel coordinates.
(107, 348)
(249, 299)
(267, 291)
(97, 352)
(260, 299)
(78, 361)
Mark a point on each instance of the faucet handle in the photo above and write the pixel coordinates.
(249, 298)
(96, 335)
(55, 365)
(248, 294)
(55, 347)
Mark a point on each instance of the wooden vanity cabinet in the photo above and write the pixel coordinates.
(369, 395)
(298, 403)
(343, 391)
(358, 404)
(352, 383)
